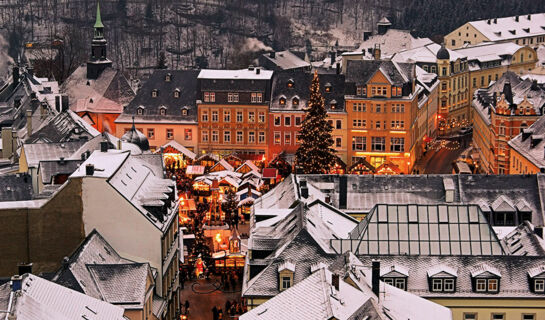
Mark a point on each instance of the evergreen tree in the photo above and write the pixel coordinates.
(315, 154)
(230, 205)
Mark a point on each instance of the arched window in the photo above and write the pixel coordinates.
(168, 77)
(291, 84)
(163, 111)
(177, 93)
(282, 101)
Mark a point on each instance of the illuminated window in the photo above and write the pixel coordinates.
(204, 136)
(226, 116)
(277, 121)
(261, 117)
(188, 134)
(397, 144)
(227, 136)
(240, 137)
(204, 116)
(359, 143)
(170, 134)
(277, 137)
(287, 138)
(378, 143)
(295, 101)
(251, 116)
(151, 134)
(282, 101)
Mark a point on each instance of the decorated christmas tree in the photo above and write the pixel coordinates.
(315, 154)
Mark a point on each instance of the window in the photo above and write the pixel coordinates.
(359, 143)
(359, 107)
(261, 137)
(398, 124)
(539, 285)
(154, 93)
(358, 123)
(151, 134)
(188, 134)
(251, 116)
(298, 121)
(487, 285)
(448, 285)
(470, 316)
(239, 116)
(287, 121)
(162, 111)
(277, 137)
(498, 316)
(282, 101)
(209, 97)
(277, 121)
(176, 93)
(444, 86)
(297, 138)
(251, 137)
(378, 143)
(377, 108)
(170, 134)
(328, 87)
(377, 125)
(528, 317)
(287, 138)
(433, 69)
(397, 144)
(453, 42)
(215, 136)
(204, 116)
(140, 111)
(286, 283)
(396, 282)
(240, 137)
(204, 136)
(227, 136)
(338, 142)
(257, 97)
(442, 285)
(261, 117)
(295, 101)
(437, 285)
(184, 112)
(226, 116)
(398, 108)
(215, 116)
(232, 97)
(443, 71)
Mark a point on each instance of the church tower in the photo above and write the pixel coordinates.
(98, 61)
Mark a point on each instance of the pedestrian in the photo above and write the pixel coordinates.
(187, 307)
(220, 314)
(215, 313)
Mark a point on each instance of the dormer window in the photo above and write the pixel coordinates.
(168, 77)
(486, 279)
(537, 279)
(395, 276)
(442, 279)
(154, 93)
(285, 275)
(177, 93)
(140, 111)
(328, 87)
(295, 101)
(163, 111)
(282, 101)
(333, 104)
(291, 84)
(184, 112)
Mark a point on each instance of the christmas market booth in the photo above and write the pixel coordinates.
(388, 168)
(186, 209)
(361, 166)
(176, 156)
(233, 256)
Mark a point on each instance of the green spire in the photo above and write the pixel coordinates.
(98, 22)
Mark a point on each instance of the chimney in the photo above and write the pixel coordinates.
(338, 68)
(376, 52)
(375, 278)
(529, 17)
(257, 71)
(103, 146)
(89, 170)
(272, 54)
(61, 161)
(58, 103)
(29, 122)
(343, 191)
(495, 20)
(24, 268)
(15, 75)
(535, 86)
(508, 92)
(333, 56)
(64, 104)
(119, 144)
(328, 199)
(16, 283)
(250, 68)
(539, 231)
(488, 21)
(517, 18)
(335, 281)
(304, 192)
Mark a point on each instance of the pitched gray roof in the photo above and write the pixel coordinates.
(50, 168)
(532, 147)
(15, 187)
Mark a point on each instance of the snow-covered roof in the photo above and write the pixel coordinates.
(442, 269)
(394, 40)
(509, 28)
(45, 300)
(537, 271)
(174, 144)
(485, 270)
(245, 74)
(250, 164)
(424, 54)
(287, 265)
(487, 51)
(286, 60)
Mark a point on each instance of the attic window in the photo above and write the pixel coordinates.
(177, 93)
(333, 104)
(163, 111)
(184, 112)
(154, 93)
(282, 101)
(140, 111)
(291, 84)
(513, 31)
(295, 101)
(168, 77)
(328, 87)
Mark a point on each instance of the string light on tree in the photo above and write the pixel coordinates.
(315, 155)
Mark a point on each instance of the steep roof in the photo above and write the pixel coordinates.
(15, 187)
(361, 71)
(509, 28)
(286, 60)
(43, 151)
(530, 149)
(394, 40)
(107, 94)
(424, 54)
(65, 126)
(166, 84)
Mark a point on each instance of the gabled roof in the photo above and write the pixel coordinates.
(485, 270)
(509, 28)
(42, 151)
(442, 269)
(249, 164)
(361, 71)
(50, 168)
(182, 81)
(45, 300)
(63, 127)
(242, 74)
(286, 60)
(174, 144)
(502, 204)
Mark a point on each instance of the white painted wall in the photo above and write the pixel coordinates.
(131, 234)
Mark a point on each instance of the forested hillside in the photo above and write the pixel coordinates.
(228, 33)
